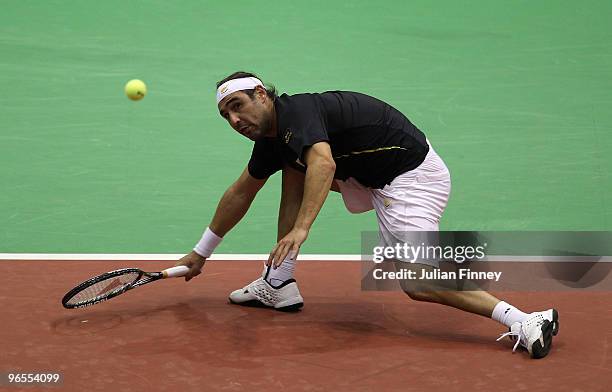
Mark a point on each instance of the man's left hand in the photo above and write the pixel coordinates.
(288, 244)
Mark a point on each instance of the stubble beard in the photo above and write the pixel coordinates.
(264, 128)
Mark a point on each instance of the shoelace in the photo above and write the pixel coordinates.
(519, 335)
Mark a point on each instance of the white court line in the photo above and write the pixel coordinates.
(262, 256)
(161, 256)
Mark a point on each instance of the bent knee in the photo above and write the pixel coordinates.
(419, 295)
(418, 291)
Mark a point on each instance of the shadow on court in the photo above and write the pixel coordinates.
(173, 335)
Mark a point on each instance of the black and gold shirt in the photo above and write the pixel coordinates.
(370, 140)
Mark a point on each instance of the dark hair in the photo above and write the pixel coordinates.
(270, 89)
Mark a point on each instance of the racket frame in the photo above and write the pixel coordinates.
(142, 279)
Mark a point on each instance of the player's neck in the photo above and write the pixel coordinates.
(273, 124)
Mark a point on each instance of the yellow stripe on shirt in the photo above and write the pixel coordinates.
(369, 151)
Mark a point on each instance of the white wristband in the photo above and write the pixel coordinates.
(208, 243)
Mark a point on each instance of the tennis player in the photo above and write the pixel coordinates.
(365, 149)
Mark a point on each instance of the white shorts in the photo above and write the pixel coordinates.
(414, 201)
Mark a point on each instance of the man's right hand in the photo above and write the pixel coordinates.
(195, 262)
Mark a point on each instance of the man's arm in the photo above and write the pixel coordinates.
(319, 176)
(233, 205)
(291, 200)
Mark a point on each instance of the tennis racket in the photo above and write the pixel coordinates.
(111, 284)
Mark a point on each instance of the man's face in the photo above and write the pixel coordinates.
(250, 117)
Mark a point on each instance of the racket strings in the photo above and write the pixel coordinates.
(144, 279)
(103, 288)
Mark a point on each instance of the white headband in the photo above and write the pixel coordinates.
(231, 86)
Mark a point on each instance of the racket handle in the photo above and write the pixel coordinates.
(175, 272)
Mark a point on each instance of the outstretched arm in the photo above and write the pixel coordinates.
(233, 205)
(319, 176)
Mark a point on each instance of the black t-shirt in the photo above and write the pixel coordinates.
(370, 140)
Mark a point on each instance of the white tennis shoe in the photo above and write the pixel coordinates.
(535, 333)
(286, 297)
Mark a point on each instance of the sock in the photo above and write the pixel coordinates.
(507, 314)
(284, 272)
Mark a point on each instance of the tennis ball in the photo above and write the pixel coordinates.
(135, 89)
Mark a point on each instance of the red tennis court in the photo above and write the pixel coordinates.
(181, 336)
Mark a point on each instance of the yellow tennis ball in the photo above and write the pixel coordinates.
(135, 89)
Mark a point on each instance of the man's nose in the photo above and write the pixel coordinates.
(234, 120)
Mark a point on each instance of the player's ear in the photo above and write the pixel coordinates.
(260, 92)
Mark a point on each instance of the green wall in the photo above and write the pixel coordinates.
(515, 97)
